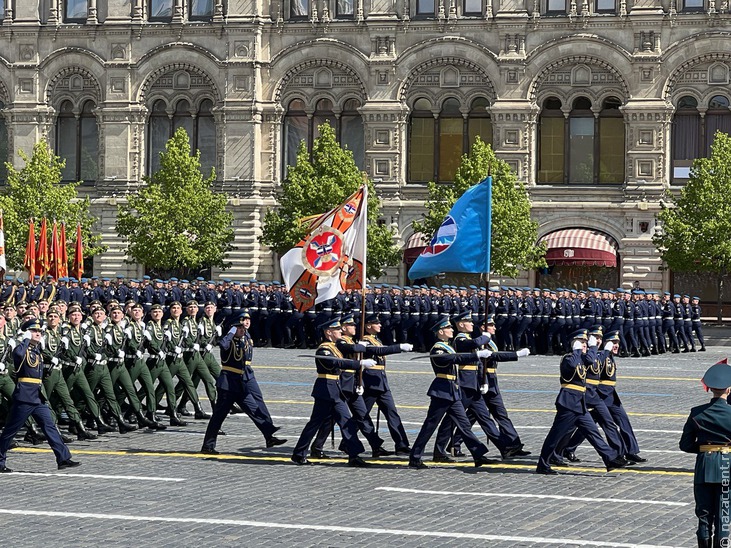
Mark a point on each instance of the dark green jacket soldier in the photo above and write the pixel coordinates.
(7, 371)
(707, 432)
(197, 367)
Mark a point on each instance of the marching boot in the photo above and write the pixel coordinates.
(175, 420)
(183, 411)
(125, 427)
(102, 427)
(66, 439)
(153, 419)
(82, 433)
(142, 420)
(33, 435)
(704, 543)
(199, 413)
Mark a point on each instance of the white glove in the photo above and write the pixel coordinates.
(78, 360)
(128, 332)
(186, 330)
(609, 346)
(578, 345)
(26, 335)
(406, 347)
(161, 355)
(523, 352)
(359, 390)
(178, 350)
(108, 338)
(218, 330)
(65, 342)
(230, 331)
(87, 339)
(98, 357)
(43, 342)
(486, 334)
(168, 335)
(196, 347)
(484, 353)
(139, 353)
(2, 368)
(54, 360)
(484, 388)
(200, 327)
(592, 340)
(209, 347)
(368, 363)
(120, 353)
(364, 343)
(12, 343)
(147, 335)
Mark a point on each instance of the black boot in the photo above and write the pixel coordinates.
(34, 435)
(102, 427)
(142, 420)
(158, 425)
(82, 433)
(66, 439)
(125, 427)
(175, 420)
(199, 413)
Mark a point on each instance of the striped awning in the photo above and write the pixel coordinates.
(580, 246)
(414, 245)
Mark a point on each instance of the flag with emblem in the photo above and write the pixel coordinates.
(462, 242)
(3, 260)
(332, 256)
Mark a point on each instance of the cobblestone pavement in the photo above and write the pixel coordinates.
(154, 489)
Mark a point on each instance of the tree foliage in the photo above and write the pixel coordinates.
(316, 185)
(176, 223)
(694, 230)
(514, 234)
(36, 191)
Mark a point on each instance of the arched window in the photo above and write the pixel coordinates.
(77, 142)
(300, 127)
(351, 131)
(718, 118)
(611, 142)
(581, 142)
(687, 137)
(552, 143)
(4, 157)
(436, 144)
(198, 123)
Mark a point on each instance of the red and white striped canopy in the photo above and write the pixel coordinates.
(580, 246)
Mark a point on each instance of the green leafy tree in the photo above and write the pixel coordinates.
(176, 224)
(36, 191)
(514, 234)
(316, 185)
(693, 234)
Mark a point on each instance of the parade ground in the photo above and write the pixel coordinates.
(155, 489)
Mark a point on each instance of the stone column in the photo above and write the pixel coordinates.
(91, 18)
(54, 15)
(137, 11)
(514, 135)
(384, 127)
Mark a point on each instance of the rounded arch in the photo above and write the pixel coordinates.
(62, 86)
(415, 54)
(405, 88)
(281, 85)
(191, 68)
(546, 70)
(673, 78)
(318, 43)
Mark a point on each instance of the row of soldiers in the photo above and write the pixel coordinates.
(109, 370)
(541, 319)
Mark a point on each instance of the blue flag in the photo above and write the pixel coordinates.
(462, 243)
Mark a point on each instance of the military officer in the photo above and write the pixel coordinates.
(695, 318)
(28, 400)
(707, 433)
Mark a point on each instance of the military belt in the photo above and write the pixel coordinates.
(608, 383)
(445, 376)
(232, 369)
(378, 367)
(30, 380)
(574, 387)
(713, 448)
(327, 309)
(594, 382)
(468, 368)
(328, 377)
(491, 369)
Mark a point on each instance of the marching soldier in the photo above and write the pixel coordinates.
(707, 433)
(695, 317)
(193, 360)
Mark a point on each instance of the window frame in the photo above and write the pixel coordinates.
(159, 19)
(606, 11)
(425, 14)
(342, 16)
(479, 13)
(304, 17)
(556, 13)
(200, 18)
(693, 9)
(66, 19)
(77, 116)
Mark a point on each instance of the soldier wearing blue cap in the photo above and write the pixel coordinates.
(329, 399)
(29, 400)
(571, 409)
(707, 433)
(446, 398)
(667, 308)
(695, 318)
(688, 322)
(237, 384)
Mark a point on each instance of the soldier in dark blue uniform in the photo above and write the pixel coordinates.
(679, 322)
(668, 323)
(688, 322)
(237, 384)
(446, 398)
(29, 401)
(707, 433)
(695, 318)
(329, 400)
(571, 409)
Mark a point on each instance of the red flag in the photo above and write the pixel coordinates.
(55, 258)
(3, 261)
(42, 260)
(78, 255)
(29, 263)
(64, 253)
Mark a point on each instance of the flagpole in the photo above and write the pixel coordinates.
(364, 211)
(489, 237)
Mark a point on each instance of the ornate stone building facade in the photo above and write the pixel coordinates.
(598, 105)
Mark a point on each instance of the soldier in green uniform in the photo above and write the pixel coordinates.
(72, 362)
(7, 386)
(210, 333)
(121, 381)
(707, 432)
(174, 352)
(192, 337)
(136, 364)
(97, 372)
(155, 336)
(54, 384)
